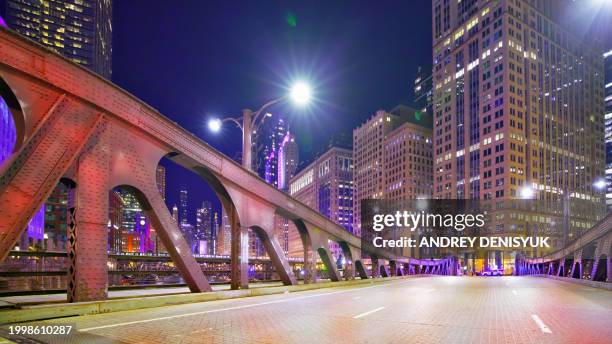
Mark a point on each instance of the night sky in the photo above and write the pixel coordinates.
(194, 59)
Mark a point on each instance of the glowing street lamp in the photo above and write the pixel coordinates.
(300, 93)
(214, 124)
(600, 184)
(249, 122)
(526, 192)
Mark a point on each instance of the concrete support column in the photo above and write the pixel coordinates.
(361, 269)
(29, 178)
(172, 238)
(375, 266)
(319, 243)
(351, 256)
(277, 256)
(328, 261)
(310, 265)
(89, 278)
(393, 267)
(239, 250)
(384, 265)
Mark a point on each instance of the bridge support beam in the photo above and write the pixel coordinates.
(31, 177)
(277, 256)
(395, 268)
(253, 213)
(375, 266)
(384, 268)
(354, 265)
(88, 278)
(239, 250)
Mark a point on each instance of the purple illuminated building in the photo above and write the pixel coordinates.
(7, 131)
(287, 160)
(143, 230)
(266, 144)
(34, 235)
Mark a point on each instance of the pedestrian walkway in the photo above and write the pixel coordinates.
(12, 301)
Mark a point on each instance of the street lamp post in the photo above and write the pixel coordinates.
(250, 122)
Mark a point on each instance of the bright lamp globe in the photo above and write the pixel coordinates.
(300, 93)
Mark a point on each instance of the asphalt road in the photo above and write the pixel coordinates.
(412, 310)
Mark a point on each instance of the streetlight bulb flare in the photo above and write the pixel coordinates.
(527, 192)
(300, 93)
(600, 184)
(214, 125)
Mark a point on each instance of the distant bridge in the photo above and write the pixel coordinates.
(587, 257)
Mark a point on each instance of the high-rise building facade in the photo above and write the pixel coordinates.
(175, 213)
(423, 90)
(80, 30)
(183, 207)
(160, 178)
(204, 228)
(224, 235)
(288, 159)
(368, 153)
(8, 135)
(56, 218)
(408, 162)
(215, 233)
(325, 185)
(518, 103)
(115, 222)
(608, 124)
(266, 144)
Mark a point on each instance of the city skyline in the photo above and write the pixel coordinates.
(437, 168)
(264, 72)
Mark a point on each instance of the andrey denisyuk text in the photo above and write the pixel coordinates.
(459, 222)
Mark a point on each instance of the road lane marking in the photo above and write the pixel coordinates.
(540, 323)
(429, 290)
(514, 292)
(233, 308)
(357, 298)
(369, 312)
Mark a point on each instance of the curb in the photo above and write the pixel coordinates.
(48, 311)
(587, 283)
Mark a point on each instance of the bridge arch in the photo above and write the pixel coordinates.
(171, 237)
(309, 258)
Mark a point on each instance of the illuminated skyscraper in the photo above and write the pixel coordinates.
(160, 177)
(204, 228)
(518, 113)
(175, 213)
(327, 186)
(80, 30)
(183, 207)
(224, 235)
(369, 141)
(423, 90)
(115, 223)
(215, 233)
(408, 162)
(288, 156)
(7, 131)
(266, 143)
